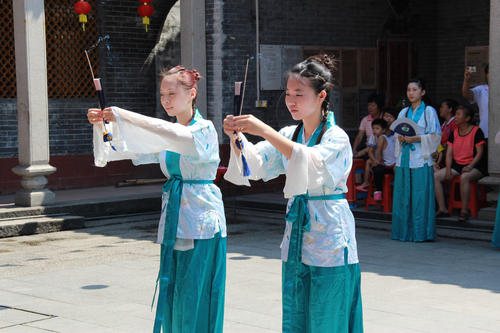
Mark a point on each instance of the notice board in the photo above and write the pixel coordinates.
(275, 61)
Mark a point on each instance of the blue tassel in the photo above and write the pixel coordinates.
(246, 169)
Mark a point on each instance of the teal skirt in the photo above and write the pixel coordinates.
(414, 207)
(326, 299)
(496, 232)
(195, 295)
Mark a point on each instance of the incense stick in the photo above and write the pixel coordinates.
(244, 87)
(90, 65)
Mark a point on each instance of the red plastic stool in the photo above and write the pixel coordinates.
(220, 172)
(357, 164)
(475, 203)
(386, 201)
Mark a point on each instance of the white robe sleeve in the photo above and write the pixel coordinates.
(264, 161)
(140, 138)
(431, 140)
(310, 168)
(397, 147)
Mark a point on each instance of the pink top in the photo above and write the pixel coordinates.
(366, 125)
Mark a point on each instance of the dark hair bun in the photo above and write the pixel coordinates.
(326, 60)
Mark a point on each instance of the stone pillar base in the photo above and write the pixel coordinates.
(32, 198)
(34, 192)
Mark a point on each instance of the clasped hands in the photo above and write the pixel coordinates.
(407, 139)
(96, 116)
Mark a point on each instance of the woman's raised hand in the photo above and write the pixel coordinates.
(96, 115)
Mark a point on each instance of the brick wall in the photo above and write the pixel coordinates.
(460, 24)
(440, 31)
(8, 127)
(314, 23)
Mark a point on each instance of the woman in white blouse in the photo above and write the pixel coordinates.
(320, 274)
(192, 227)
(413, 209)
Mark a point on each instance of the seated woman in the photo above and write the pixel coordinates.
(464, 158)
(447, 113)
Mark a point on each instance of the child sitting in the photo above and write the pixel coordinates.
(386, 159)
(379, 127)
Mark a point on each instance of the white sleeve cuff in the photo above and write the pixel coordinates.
(429, 144)
(234, 173)
(306, 170)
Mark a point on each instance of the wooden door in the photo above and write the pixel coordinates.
(396, 64)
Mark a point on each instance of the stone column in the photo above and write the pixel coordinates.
(193, 45)
(494, 96)
(32, 103)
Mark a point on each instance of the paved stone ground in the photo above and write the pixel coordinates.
(101, 279)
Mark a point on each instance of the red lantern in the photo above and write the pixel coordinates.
(145, 11)
(82, 8)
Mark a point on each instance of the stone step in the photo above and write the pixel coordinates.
(29, 225)
(90, 208)
(273, 212)
(252, 215)
(441, 231)
(487, 213)
(280, 206)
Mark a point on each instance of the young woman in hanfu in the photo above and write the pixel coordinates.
(496, 231)
(192, 227)
(413, 212)
(320, 270)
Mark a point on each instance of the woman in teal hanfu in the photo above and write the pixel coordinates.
(496, 232)
(413, 212)
(192, 227)
(320, 270)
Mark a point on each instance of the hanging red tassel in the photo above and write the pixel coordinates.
(82, 8)
(145, 11)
